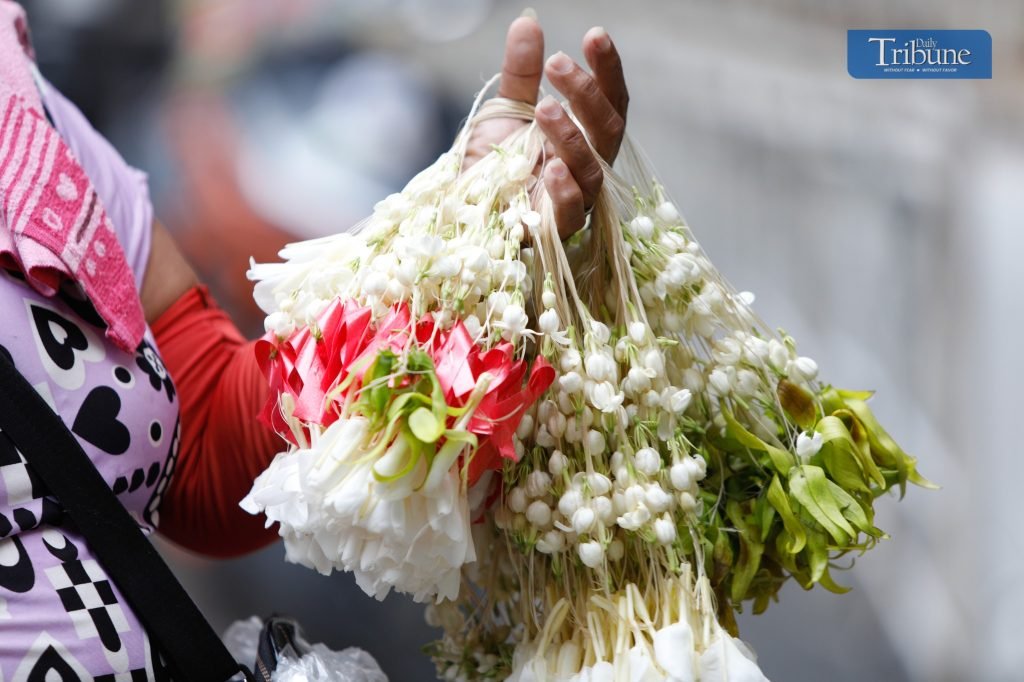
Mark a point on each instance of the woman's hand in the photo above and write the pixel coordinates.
(599, 100)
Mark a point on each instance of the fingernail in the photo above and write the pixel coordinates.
(550, 107)
(601, 38)
(560, 63)
(558, 168)
(529, 13)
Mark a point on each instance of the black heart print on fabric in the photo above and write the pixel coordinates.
(60, 337)
(97, 421)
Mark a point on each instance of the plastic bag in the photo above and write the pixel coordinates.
(317, 664)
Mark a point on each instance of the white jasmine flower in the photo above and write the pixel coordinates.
(637, 381)
(680, 400)
(687, 502)
(591, 553)
(748, 383)
(548, 321)
(667, 211)
(778, 356)
(525, 427)
(605, 397)
(594, 443)
(635, 519)
(637, 332)
(656, 499)
(538, 484)
(600, 332)
(557, 424)
(803, 369)
(599, 483)
(538, 514)
(642, 227)
(664, 530)
(647, 461)
(680, 475)
(569, 360)
(583, 520)
(513, 320)
(604, 509)
(548, 299)
(693, 380)
(551, 542)
(571, 382)
(570, 501)
(558, 462)
(517, 500)
(808, 445)
(720, 382)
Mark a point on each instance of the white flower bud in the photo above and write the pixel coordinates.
(525, 428)
(647, 461)
(637, 332)
(557, 463)
(571, 382)
(517, 500)
(720, 382)
(599, 483)
(635, 495)
(680, 400)
(548, 321)
(654, 361)
(583, 520)
(445, 267)
(667, 211)
(693, 380)
(687, 502)
(605, 397)
(551, 542)
(514, 319)
(538, 514)
(701, 467)
(600, 332)
(548, 299)
(569, 360)
(747, 383)
(803, 369)
(375, 283)
(599, 367)
(545, 410)
(594, 443)
(604, 509)
(665, 530)
(616, 550)
(538, 484)
(591, 553)
(778, 356)
(621, 353)
(635, 519)
(617, 459)
(570, 501)
(280, 324)
(680, 476)
(637, 381)
(808, 445)
(652, 399)
(556, 425)
(656, 499)
(543, 438)
(642, 227)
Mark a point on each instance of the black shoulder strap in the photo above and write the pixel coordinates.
(190, 647)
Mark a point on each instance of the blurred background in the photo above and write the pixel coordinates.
(880, 222)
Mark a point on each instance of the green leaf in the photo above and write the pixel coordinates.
(839, 455)
(780, 502)
(826, 581)
(781, 460)
(810, 486)
(817, 556)
(749, 559)
(859, 435)
(883, 445)
(425, 426)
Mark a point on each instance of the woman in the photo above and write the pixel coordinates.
(108, 322)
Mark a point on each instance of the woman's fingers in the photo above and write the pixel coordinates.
(601, 120)
(566, 198)
(604, 61)
(522, 66)
(571, 148)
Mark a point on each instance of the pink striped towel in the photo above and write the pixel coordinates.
(52, 223)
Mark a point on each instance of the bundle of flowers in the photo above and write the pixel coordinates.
(588, 454)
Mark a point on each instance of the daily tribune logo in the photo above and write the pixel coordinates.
(919, 54)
